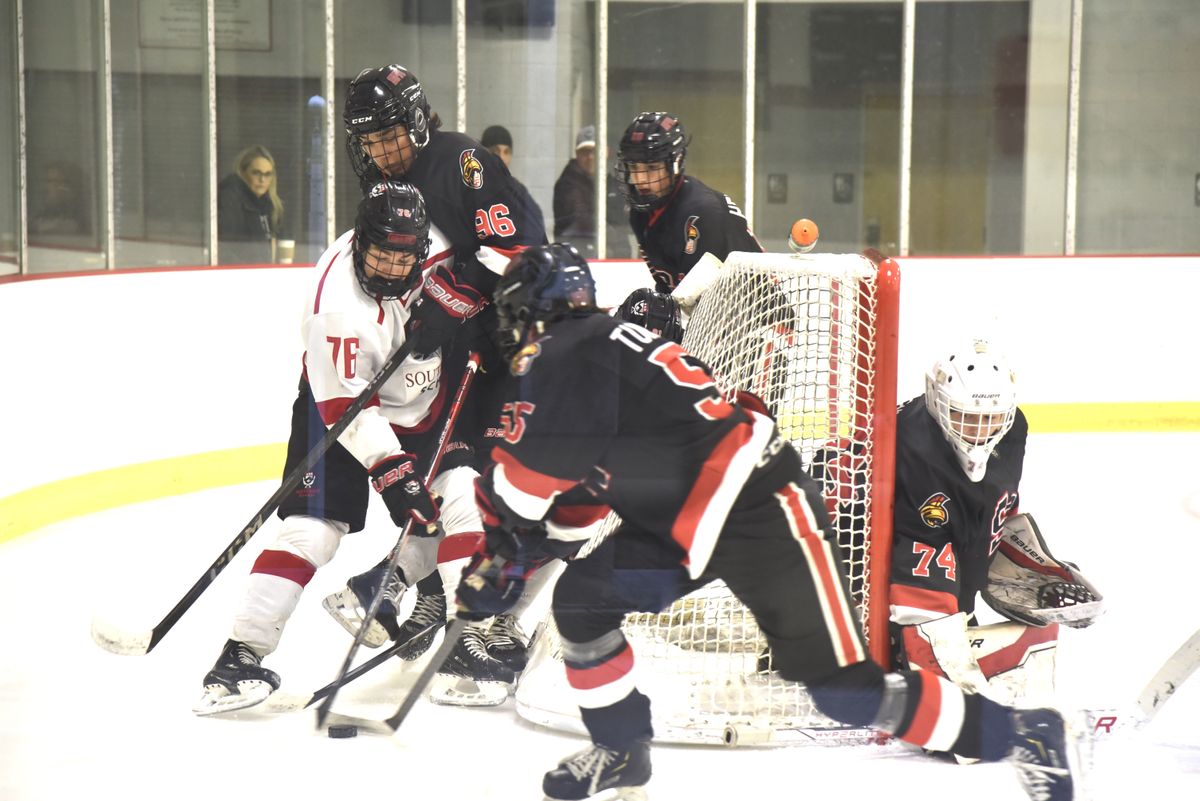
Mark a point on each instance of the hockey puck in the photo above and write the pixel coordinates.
(342, 732)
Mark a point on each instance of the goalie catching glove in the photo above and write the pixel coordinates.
(494, 579)
(403, 492)
(445, 304)
(1027, 584)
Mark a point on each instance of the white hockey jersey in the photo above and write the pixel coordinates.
(348, 335)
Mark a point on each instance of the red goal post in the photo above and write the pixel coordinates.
(815, 336)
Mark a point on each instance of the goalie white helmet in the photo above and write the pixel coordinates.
(972, 395)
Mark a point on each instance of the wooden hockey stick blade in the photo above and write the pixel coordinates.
(1174, 672)
(373, 662)
(132, 645)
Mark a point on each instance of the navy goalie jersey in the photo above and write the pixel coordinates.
(606, 401)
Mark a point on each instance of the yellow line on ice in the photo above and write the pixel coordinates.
(45, 504)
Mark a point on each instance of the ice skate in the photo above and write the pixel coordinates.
(506, 642)
(237, 681)
(598, 773)
(349, 605)
(1040, 755)
(469, 676)
(429, 610)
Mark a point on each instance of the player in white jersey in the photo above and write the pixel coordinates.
(360, 295)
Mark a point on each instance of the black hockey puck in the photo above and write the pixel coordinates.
(342, 732)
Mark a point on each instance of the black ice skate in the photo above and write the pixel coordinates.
(506, 642)
(599, 772)
(1039, 754)
(237, 681)
(469, 676)
(430, 610)
(349, 605)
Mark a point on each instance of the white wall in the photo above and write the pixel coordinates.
(115, 369)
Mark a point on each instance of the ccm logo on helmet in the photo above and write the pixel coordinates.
(357, 120)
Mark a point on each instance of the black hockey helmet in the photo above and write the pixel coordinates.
(541, 285)
(655, 311)
(392, 217)
(379, 99)
(652, 137)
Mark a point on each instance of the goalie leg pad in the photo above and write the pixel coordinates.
(1018, 661)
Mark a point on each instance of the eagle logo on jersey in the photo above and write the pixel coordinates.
(522, 363)
(472, 170)
(692, 233)
(934, 512)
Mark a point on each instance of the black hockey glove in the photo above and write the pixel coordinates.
(494, 580)
(397, 482)
(445, 304)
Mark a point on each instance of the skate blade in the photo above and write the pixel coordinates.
(343, 607)
(450, 690)
(614, 794)
(217, 699)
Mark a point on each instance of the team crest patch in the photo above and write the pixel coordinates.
(934, 512)
(523, 361)
(472, 170)
(692, 232)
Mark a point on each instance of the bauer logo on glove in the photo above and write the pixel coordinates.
(1027, 584)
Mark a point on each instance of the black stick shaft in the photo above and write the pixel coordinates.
(443, 438)
(373, 662)
(453, 632)
(289, 483)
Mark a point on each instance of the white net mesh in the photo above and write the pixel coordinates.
(799, 332)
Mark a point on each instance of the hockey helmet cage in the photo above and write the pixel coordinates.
(539, 286)
(391, 216)
(655, 311)
(652, 137)
(380, 98)
(971, 393)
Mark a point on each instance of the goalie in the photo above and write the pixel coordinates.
(957, 533)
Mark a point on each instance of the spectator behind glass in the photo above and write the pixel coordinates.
(497, 139)
(575, 196)
(59, 204)
(249, 210)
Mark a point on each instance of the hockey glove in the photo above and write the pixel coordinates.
(396, 481)
(491, 583)
(445, 304)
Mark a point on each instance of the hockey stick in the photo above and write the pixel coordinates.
(137, 643)
(388, 727)
(1162, 686)
(283, 702)
(473, 360)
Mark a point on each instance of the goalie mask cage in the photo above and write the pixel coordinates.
(814, 336)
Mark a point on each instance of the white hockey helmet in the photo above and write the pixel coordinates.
(972, 395)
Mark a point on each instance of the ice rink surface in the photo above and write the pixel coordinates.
(78, 722)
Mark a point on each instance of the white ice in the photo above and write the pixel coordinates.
(78, 722)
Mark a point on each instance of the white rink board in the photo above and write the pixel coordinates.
(111, 370)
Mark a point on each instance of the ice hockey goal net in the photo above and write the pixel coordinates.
(814, 336)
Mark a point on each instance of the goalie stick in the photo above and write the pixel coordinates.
(116, 641)
(1100, 724)
(473, 360)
